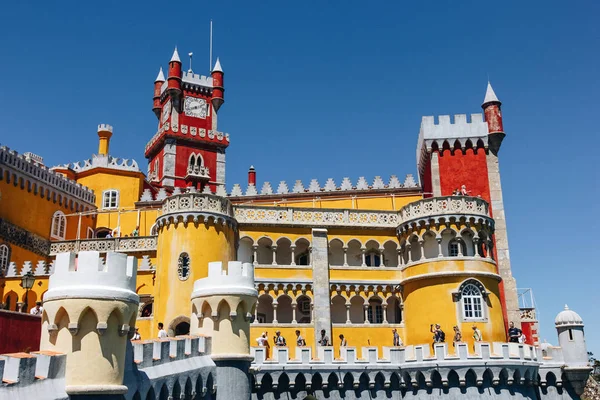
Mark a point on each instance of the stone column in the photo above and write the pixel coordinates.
(363, 251)
(322, 299)
(293, 248)
(501, 238)
(345, 256)
(476, 245)
(275, 312)
(294, 307)
(366, 311)
(274, 248)
(441, 252)
(422, 249)
(348, 305)
(384, 306)
(255, 250)
(381, 258)
(400, 258)
(409, 253)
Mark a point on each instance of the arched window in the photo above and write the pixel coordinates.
(59, 226)
(472, 302)
(456, 247)
(183, 266)
(4, 258)
(90, 233)
(110, 199)
(195, 162)
(372, 259)
(375, 311)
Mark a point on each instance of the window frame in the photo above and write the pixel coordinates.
(110, 192)
(58, 230)
(473, 301)
(4, 258)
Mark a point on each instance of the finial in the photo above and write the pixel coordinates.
(252, 167)
(160, 77)
(190, 54)
(566, 307)
(175, 56)
(217, 67)
(490, 95)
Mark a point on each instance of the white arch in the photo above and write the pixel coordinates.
(59, 226)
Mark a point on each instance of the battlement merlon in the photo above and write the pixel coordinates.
(461, 129)
(237, 279)
(87, 276)
(105, 128)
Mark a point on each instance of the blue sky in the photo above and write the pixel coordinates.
(335, 89)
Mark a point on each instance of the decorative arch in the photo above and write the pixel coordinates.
(179, 326)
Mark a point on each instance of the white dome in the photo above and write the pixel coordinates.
(568, 318)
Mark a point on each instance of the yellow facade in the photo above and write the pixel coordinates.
(419, 284)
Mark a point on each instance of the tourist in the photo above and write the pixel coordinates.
(136, 335)
(264, 342)
(396, 338)
(324, 341)
(300, 342)
(343, 342)
(457, 336)
(522, 338)
(108, 235)
(279, 340)
(477, 334)
(514, 333)
(438, 334)
(464, 191)
(38, 309)
(161, 331)
(136, 231)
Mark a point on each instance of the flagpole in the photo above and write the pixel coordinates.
(210, 47)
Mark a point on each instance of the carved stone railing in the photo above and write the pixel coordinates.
(252, 215)
(438, 206)
(198, 172)
(182, 207)
(128, 244)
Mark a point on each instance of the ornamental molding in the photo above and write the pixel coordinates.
(23, 238)
(451, 274)
(28, 168)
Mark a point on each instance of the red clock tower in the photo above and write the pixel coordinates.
(187, 149)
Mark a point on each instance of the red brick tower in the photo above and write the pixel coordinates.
(187, 149)
(451, 155)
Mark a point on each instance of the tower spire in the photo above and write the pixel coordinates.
(490, 95)
(160, 77)
(175, 56)
(493, 116)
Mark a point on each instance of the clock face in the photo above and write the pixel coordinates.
(194, 107)
(166, 112)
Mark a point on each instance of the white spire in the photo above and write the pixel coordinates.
(217, 67)
(160, 77)
(490, 96)
(175, 56)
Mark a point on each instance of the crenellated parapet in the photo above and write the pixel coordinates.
(499, 368)
(37, 178)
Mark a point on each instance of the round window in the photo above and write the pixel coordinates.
(183, 266)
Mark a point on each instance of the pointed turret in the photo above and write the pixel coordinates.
(174, 79)
(218, 89)
(493, 116)
(158, 82)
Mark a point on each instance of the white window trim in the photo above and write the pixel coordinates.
(4, 258)
(110, 192)
(57, 217)
(90, 233)
(458, 296)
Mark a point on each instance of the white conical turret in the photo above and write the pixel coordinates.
(217, 67)
(490, 95)
(175, 56)
(161, 76)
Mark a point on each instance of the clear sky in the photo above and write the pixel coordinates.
(333, 89)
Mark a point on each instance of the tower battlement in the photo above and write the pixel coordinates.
(448, 129)
(234, 279)
(87, 276)
(105, 128)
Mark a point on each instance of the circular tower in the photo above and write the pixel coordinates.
(194, 229)
(89, 309)
(448, 274)
(222, 306)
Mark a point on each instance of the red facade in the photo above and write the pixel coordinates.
(19, 332)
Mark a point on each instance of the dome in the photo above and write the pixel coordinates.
(568, 318)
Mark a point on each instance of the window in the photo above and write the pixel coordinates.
(110, 199)
(454, 250)
(183, 266)
(59, 225)
(571, 334)
(302, 259)
(375, 311)
(472, 302)
(195, 163)
(4, 258)
(372, 259)
(90, 233)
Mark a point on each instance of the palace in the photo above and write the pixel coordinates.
(358, 258)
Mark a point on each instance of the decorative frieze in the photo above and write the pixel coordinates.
(195, 205)
(315, 217)
(440, 206)
(23, 238)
